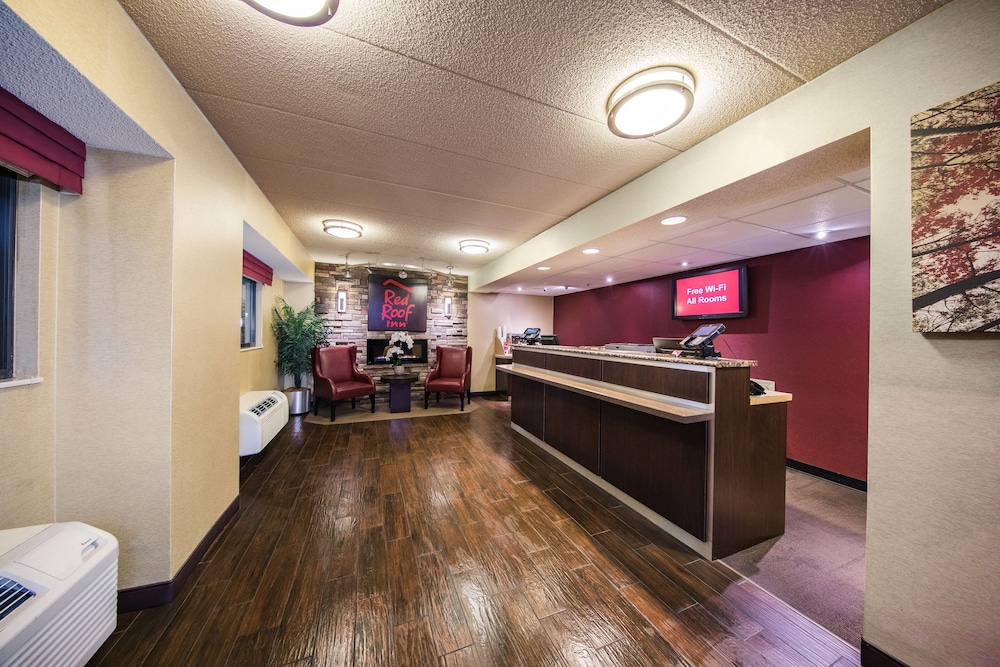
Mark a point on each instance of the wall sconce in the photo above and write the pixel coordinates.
(447, 307)
(342, 301)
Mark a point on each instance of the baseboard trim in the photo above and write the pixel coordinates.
(837, 478)
(874, 657)
(164, 592)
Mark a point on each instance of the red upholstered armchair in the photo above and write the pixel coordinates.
(451, 375)
(336, 377)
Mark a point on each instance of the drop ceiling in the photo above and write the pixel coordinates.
(429, 121)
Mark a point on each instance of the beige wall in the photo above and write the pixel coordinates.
(487, 312)
(144, 298)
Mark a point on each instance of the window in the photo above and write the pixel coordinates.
(8, 205)
(249, 318)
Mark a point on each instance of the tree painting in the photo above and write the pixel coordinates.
(955, 179)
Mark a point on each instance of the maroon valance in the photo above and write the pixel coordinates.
(257, 270)
(33, 143)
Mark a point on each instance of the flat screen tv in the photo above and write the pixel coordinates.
(711, 295)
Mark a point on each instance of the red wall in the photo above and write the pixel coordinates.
(807, 328)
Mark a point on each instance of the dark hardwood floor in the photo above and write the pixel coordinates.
(452, 541)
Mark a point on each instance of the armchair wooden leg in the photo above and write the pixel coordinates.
(437, 398)
(461, 402)
(426, 396)
(372, 398)
(333, 411)
(315, 405)
(354, 402)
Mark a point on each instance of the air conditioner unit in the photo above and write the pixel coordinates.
(58, 593)
(262, 414)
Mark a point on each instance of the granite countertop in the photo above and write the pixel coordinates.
(717, 362)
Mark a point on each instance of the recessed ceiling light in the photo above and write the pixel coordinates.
(518, 289)
(591, 251)
(305, 13)
(821, 234)
(650, 102)
(544, 268)
(342, 229)
(474, 246)
(673, 220)
(684, 263)
(609, 279)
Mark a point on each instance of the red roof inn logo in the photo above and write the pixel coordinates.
(396, 305)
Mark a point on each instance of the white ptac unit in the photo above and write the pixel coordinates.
(262, 414)
(58, 593)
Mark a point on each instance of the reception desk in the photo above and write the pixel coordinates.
(679, 439)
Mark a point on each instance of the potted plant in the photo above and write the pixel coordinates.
(296, 334)
(399, 345)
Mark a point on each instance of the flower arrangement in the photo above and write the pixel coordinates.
(399, 344)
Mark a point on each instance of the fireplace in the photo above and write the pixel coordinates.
(376, 351)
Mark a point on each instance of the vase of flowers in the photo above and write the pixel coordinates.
(400, 344)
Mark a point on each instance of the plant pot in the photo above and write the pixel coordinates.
(399, 370)
(298, 400)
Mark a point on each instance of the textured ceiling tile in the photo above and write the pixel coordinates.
(807, 37)
(287, 140)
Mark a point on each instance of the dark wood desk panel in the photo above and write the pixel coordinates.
(527, 357)
(573, 426)
(580, 366)
(687, 384)
(660, 463)
(749, 498)
(527, 405)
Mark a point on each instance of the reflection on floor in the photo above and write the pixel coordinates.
(818, 565)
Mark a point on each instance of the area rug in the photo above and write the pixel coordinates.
(362, 413)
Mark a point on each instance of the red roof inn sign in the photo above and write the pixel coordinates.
(396, 304)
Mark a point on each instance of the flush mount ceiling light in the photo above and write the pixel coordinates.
(342, 229)
(474, 246)
(650, 102)
(306, 13)
(673, 220)
(544, 268)
(591, 251)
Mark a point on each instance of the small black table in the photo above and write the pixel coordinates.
(399, 390)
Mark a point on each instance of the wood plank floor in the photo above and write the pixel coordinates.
(452, 541)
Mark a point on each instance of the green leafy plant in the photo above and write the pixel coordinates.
(296, 333)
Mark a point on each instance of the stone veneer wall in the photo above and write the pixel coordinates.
(352, 327)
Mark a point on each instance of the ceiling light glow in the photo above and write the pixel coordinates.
(591, 251)
(544, 268)
(821, 235)
(306, 13)
(650, 102)
(342, 229)
(474, 246)
(673, 220)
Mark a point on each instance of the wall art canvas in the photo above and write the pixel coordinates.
(955, 181)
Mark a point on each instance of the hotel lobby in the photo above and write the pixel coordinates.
(388, 141)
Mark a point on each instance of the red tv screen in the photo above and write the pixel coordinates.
(711, 294)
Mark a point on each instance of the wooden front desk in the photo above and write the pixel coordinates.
(680, 437)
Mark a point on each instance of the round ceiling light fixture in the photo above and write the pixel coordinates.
(342, 229)
(305, 13)
(591, 251)
(650, 102)
(673, 220)
(474, 246)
